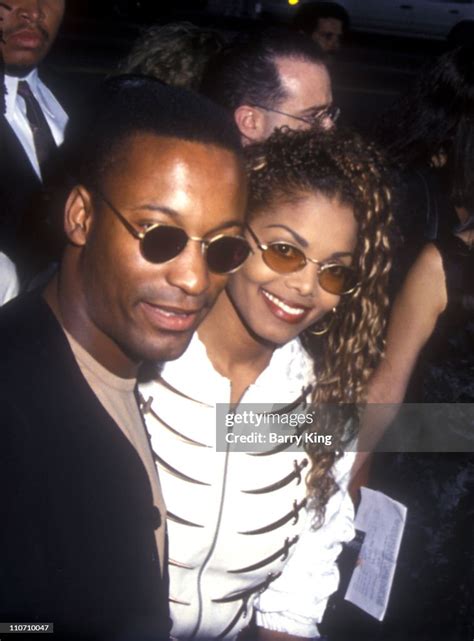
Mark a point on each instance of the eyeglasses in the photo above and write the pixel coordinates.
(332, 112)
(285, 258)
(160, 243)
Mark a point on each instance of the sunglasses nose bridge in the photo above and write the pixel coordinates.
(305, 279)
(318, 265)
(198, 239)
(314, 261)
(204, 244)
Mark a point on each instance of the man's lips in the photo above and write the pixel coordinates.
(284, 309)
(173, 319)
(27, 38)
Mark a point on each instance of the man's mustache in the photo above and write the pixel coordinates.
(8, 33)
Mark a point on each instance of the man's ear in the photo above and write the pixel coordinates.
(78, 214)
(251, 122)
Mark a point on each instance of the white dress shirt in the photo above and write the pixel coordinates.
(229, 545)
(15, 114)
(9, 284)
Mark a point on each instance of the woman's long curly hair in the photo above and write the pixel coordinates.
(338, 164)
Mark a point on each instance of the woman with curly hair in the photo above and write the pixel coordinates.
(300, 325)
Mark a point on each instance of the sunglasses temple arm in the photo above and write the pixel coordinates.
(138, 235)
(254, 237)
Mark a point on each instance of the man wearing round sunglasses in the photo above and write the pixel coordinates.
(154, 225)
(277, 79)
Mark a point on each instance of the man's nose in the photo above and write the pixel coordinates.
(30, 9)
(189, 271)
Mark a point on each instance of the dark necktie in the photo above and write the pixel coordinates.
(44, 141)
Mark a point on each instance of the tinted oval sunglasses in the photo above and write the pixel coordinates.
(160, 243)
(285, 258)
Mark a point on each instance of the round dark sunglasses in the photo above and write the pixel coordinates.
(285, 258)
(160, 243)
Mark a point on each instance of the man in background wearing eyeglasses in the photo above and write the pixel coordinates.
(153, 227)
(278, 78)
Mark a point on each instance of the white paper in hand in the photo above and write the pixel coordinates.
(383, 521)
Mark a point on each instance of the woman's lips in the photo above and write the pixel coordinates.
(171, 319)
(284, 310)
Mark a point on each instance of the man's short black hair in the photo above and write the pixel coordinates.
(132, 104)
(308, 15)
(246, 73)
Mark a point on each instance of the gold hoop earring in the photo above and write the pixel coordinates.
(325, 330)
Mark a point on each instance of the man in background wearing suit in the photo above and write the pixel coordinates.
(31, 128)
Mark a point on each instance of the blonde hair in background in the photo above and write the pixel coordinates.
(175, 53)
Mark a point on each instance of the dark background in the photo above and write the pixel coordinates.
(368, 74)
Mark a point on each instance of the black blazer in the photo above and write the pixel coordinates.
(19, 185)
(77, 519)
(30, 212)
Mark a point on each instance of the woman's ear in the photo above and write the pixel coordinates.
(78, 215)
